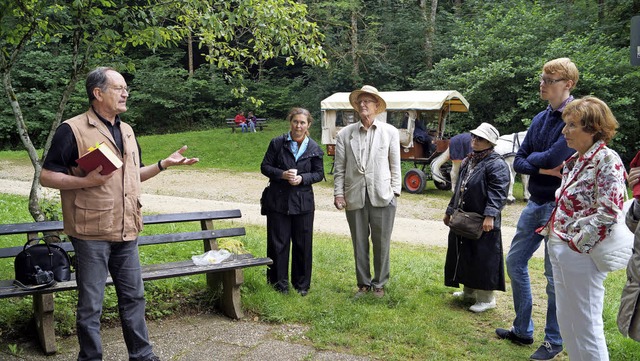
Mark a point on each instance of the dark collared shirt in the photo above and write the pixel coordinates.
(64, 148)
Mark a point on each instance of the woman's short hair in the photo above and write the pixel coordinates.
(295, 111)
(563, 67)
(97, 78)
(594, 115)
(303, 111)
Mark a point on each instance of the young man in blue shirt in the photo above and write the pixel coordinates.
(543, 149)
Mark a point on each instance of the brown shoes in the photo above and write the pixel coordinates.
(377, 292)
(362, 291)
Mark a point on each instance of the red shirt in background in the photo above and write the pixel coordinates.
(239, 119)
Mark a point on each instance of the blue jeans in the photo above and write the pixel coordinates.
(95, 260)
(243, 127)
(524, 244)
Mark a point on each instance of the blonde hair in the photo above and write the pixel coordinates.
(594, 115)
(563, 67)
(295, 111)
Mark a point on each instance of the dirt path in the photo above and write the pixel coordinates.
(418, 219)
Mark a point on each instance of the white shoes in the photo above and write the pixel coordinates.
(483, 306)
(479, 296)
(464, 295)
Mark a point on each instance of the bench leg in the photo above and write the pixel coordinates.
(230, 301)
(43, 314)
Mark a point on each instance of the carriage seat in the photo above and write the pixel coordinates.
(405, 138)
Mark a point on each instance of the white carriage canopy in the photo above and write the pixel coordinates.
(415, 100)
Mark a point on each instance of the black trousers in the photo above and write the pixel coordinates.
(282, 231)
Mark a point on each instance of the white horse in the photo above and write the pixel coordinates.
(507, 147)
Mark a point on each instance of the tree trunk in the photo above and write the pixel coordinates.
(457, 5)
(36, 190)
(601, 6)
(430, 21)
(190, 51)
(35, 195)
(355, 72)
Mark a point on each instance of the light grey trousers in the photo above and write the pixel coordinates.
(377, 222)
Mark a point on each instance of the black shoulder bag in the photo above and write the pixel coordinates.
(465, 224)
(42, 264)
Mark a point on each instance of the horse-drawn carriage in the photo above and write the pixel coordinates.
(421, 118)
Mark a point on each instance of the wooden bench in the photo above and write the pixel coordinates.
(227, 274)
(260, 124)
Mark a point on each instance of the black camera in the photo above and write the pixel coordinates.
(42, 277)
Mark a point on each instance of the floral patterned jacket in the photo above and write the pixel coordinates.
(590, 198)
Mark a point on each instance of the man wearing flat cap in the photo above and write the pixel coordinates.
(366, 184)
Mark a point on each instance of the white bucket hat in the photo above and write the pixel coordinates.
(353, 98)
(488, 132)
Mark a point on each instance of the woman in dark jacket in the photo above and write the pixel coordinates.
(482, 188)
(293, 162)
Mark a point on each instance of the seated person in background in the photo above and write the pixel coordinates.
(241, 121)
(421, 135)
(252, 121)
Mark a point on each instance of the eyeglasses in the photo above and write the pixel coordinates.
(121, 89)
(476, 138)
(548, 81)
(366, 101)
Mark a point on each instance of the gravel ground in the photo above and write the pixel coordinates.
(418, 218)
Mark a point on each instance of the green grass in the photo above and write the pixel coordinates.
(217, 148)
(418, 319)
(14, 155)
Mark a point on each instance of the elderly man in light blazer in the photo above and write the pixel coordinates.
(366, 184)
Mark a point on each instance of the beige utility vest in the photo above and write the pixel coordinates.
(110, 212)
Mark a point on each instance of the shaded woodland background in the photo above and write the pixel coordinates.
(490, 51)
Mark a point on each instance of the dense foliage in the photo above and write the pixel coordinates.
(490, 51)
(73, 37)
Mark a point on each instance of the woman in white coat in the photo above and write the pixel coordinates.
(589, 200)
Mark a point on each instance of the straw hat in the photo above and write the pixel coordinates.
(488, 132)
(368, 89)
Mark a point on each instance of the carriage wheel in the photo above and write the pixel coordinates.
(414, 181)
(445, 170)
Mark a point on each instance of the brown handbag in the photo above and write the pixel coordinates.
(466, 224)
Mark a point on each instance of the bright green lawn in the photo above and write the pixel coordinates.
(218, 148)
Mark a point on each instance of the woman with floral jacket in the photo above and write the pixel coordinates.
(588, 203)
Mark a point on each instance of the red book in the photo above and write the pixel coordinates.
(99, 155)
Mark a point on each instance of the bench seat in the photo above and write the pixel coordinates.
(260, 124)
(227, 275)
(149, 272)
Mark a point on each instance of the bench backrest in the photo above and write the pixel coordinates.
(208, 234)
(228, 120)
